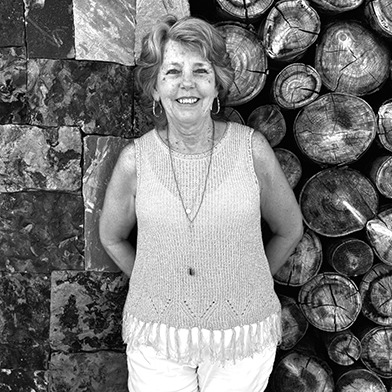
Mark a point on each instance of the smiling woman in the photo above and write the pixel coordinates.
(200, 295)
(186, 88)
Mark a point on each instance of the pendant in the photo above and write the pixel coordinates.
(188, 211)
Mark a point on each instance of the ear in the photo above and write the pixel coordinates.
(216, 91)
(155, 95)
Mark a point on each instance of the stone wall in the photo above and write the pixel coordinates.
(66, 110)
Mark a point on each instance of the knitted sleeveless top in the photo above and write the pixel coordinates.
(211, 275)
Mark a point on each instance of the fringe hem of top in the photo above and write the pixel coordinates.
(194, 345)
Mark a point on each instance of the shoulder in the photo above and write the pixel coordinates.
(239, 128)
(129, 154)
(127, 158)
(261, 149)
(265, 162)
(259, 145)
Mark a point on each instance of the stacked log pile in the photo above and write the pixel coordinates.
(315, 77)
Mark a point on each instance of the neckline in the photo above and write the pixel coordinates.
(193, 155)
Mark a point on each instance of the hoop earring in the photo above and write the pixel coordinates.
(218, 106)
(156, 104)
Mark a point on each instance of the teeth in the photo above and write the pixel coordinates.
(187, 100)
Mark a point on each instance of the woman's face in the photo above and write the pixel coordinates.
(185, 85)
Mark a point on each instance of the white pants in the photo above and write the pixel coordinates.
(150, 372)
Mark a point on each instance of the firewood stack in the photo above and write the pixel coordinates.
(315, 78)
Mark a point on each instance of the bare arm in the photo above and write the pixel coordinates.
(278, 204)
(118, 212)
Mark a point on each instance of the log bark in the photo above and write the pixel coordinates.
(331, 302)
(291, 27)
(359, 380)
(350, 256)
(301, 372)
(249, 60)
(351, 59)
(384, 121)
(335, 129)
(379, 15)
(379, 233)
(337, 6)
(230, 114)
(296, 86)
(269, 120)
(243, 10)
(294, 324)
(376, 351)
(290, 164)
(337, 202)
(304, 263)
(343, 348)
(376, 294)
(381, 175)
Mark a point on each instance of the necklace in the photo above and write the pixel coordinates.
(188, 210)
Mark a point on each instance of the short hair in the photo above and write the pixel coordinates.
(194, 34)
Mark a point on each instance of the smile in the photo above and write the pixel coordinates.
(187, 101)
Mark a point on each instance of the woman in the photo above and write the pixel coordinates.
(201, 312)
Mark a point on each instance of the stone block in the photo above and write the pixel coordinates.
(93, 372)
(100, 156)
(105, 30)
(22, 381)
(41, 231)
(49, 29)
(149, 11)
(141, 122)
(98, 97)
(86, 311)
(11, 23)
(24, 321)
(13, 84)
(35, 158)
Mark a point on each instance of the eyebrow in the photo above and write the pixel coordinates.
(199, 64)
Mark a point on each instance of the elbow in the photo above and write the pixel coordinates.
(110, 235)
(295, 232)
(105, 236)
(298, 231)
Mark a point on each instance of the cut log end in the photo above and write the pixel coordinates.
(301, 372)
(376, 351)
(350, 256)
(359, 380)
(337, 202)
(331, 302)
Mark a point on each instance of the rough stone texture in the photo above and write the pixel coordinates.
(97, 372)
(13, 84)
(96, 96)
(100, 156)
(12, 23)
(86, 311)
(105, 30)
(141, 122)
(18, 380)
(149, 11)
(49, 29)
(24, 321)
(35, 158)
(41, 231)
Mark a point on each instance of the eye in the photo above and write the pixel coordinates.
(201, 71)
(172, 71)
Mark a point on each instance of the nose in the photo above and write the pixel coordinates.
(187, 80)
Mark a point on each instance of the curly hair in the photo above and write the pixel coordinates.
(195, 35)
